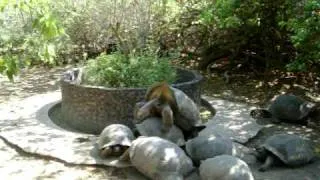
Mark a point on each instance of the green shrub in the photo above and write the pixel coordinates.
(50, 33)
(305, 27)
(116, 70)
(29, 34)
(268, 34)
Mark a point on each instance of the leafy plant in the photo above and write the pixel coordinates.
(29, 30)
(118, 70)
(260, 33)
(305, 28)
(53, 32)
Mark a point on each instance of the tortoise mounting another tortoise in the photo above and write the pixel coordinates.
(174, 106)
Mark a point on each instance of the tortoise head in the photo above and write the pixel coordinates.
(114, 150)
(314, 116)
(106, 152)
(307, 108)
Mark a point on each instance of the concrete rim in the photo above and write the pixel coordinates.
(28, 126)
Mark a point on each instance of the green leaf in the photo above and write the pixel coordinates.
(2, 65)
(3, 4)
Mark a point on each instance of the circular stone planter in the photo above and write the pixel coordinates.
(91, 108)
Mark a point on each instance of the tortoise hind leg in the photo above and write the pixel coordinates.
(267, 164)
(167, 118)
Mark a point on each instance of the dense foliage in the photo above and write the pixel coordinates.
(117, 70)
(29, 33)
(277, 33)
(55, 32)
(256, 33)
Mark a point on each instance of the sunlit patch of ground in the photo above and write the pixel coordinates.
(242, 88)
(14, 165)
(30, 82)
(18, 165)
(255, 91)
(258, 90)
(205, 115)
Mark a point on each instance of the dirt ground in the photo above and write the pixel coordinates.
(15, 164)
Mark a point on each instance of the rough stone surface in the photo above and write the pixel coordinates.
(231, 120)
(91, 108)
(15, 164)
(28, 126)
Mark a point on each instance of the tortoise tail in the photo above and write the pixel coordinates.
(208, 106)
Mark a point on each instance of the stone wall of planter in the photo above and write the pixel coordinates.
(90, 108)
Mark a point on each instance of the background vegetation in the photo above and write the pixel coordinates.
(258, 35)
(117, 70)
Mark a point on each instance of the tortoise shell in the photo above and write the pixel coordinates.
(289, 107)
(152, 127)
(158, 158)
(115, 135)
(204, 147)
(290, 149)
(188, 114)
(225, 167)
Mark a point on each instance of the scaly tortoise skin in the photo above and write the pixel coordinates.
(114, 140)
(225, 167)
(158, 158)
(287, 108)
(152, 127)
(291, 149)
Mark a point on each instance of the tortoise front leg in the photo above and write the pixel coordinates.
(142, 110)
(267, 164)
(167, 118)
(125, 156)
